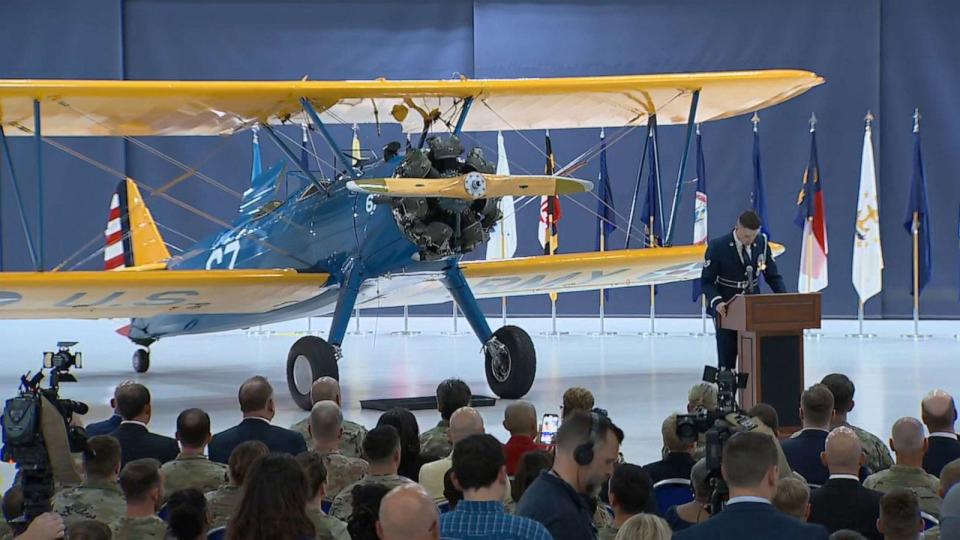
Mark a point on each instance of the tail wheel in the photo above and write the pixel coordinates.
(141, 360)
(309, 359)
(511, 362)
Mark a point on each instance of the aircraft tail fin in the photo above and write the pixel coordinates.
(263, 188)
(132, 238)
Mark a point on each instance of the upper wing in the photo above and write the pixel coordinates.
(97, 295)
(136, 108)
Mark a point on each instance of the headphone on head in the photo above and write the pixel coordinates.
(583, 454)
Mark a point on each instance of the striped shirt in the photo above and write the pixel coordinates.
(487, 520)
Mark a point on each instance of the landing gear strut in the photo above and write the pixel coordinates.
(309, 359)
(511, 362)
(141, 360)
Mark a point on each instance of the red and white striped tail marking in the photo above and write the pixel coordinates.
(117, 253)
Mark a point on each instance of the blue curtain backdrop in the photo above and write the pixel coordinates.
(882, 55)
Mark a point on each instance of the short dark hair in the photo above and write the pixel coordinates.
(362, 522)
(132, 399)
(842, 389)
(243, 457)
(477, 461)
(193, 427)
(381, 442)
(101, 457)
(576, 428)
(254, 393)
(138, 477)
(767, 414)
(900, 513)
(187, 511)
(13, 503)
(315, 471)
(529, 468)
(747, 456)
(847, 534)
(632, 487)
(451, 395)
(750, 220)
(89, 529)
(817, 404)
(450, 491)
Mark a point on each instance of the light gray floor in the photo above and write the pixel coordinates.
(639, 380)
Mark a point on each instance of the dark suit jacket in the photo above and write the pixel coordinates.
(803, 455)
(104, 427)
(844, 503)
(940, 451)
(136, 443)
(752, 520)
(276, 438)
(675, 465)
(722, 265)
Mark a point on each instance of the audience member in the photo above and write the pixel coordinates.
(133, 402)
(224, 501)
(451, 493)
(351, 441)
(949, 477)
(679, 459)
(803, 451)
(698, 510)
(191, 468)
(362, 524)
(408, 513)
(188, 518)
(258, 408)
(451, 395)
(842, 502)
(950, 515)
(382, 448)
(900, 515)
(767, 414)
(273, 503)
(630, 493)
(106, 427)
(411, 459)
(326, 432)
(520, 420)
(316, 473)
(480, 473)
(576, 399)
(792, 497)
(842, 388)
(939, 413)
(88, 529)
(98, 497)
(847, 534)
(142, 487)
(644, 527)
(751, 473)
(466, 421)
(701, 397)
(586, 450)
(909, 445)
(46, 526)
(529, 469)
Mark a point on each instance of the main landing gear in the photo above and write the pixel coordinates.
(141, 360)
(310, 358)
(511, 362)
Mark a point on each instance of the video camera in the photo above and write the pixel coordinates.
(23, 431)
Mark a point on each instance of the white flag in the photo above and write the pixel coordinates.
(867, 253)
(503, 236)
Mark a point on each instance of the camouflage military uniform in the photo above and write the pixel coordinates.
(607, 533)
(328, 527)
(94, 499)
(145, 528)
(222, 503)
(435, 443)
(933, 533)
(878, 455)
(341, 472)
(6, 533)
(351, 445)
(601, 518)
(343, 503)
(192, 471)
(925, 486)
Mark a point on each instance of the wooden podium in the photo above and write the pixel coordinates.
(770, 349)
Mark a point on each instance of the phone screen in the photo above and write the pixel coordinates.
(548, 429)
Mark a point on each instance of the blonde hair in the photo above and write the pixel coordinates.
(644, 527)
(792, 496)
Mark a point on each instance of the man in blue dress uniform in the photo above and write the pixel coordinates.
(731, 266)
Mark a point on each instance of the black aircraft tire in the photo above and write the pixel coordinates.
(141, 360)
(315, 354)
(514, 380)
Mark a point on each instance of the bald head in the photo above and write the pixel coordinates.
(949, 476)
(466, 421)
(408, 513)
(325, 389)
(326, 422)
(843, 453)
(908, 439)
(520, 418)
(938, 411)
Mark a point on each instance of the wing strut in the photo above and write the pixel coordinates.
(678, 192)
(293, 157)
(327, 136)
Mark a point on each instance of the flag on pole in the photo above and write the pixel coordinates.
(503, 236)
(257, 166)
(651, 215)
(700, 236)
(758, 197)
(606, 222)
(811, 217)
(918, 214)
(355, 146)
(550, 214)
(867, 251)
(304, 160)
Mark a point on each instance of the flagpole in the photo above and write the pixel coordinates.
(456, 316)
(809, 251)
(915, 233)
(653, 292)
(406, 324)
(603, 331)
(868, 119)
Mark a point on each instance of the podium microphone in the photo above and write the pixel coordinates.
(749, 289)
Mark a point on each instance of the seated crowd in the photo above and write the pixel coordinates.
(329, 478)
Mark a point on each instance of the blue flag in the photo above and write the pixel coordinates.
(700, 234)
(918, 213)
(257, 166)
(304, 159)
(606, 223)
(652, 215)
(758, 198)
